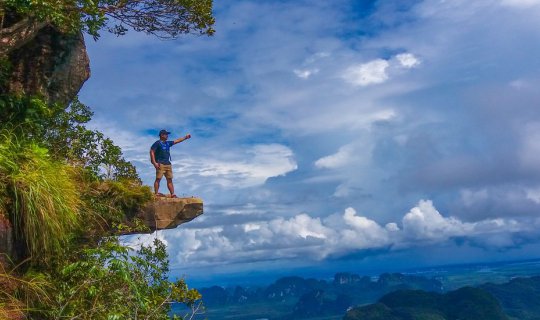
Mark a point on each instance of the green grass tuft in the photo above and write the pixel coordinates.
(40, 195)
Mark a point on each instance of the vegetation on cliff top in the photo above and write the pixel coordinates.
(65, 189)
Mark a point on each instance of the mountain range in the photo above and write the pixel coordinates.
(518, 299)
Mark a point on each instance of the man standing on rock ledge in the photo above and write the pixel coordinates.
(160, 156)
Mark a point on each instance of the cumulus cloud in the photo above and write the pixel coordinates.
(379, 70)
(337, 235)
(425, 223)
(364, 74)
(408, 60)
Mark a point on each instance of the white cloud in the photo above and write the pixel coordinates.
(424, 222)
(373, 72)
(342, 157)
(305, 73)
(408, 60)
(304, 236)
(253, 166)
(136, 241)
(378, 71)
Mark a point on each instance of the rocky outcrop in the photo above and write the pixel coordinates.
(161, 213)
(169, 213)
(52, 65)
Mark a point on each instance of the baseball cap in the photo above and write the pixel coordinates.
(163, 132)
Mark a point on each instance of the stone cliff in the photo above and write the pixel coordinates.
(51, 64)
(169, 213)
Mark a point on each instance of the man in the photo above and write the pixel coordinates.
(161, 159)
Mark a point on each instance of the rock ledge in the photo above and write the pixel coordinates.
(169, 213)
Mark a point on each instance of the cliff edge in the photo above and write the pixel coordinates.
(169, 213)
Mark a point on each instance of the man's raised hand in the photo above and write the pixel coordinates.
(184, 138)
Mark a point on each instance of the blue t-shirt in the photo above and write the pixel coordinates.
(162, 151)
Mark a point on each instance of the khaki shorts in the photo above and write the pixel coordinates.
(164, 169)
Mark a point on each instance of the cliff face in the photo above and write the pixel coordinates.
(52, 65)
(49, 64)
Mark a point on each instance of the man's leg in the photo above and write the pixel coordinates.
(170, 186)
(156, 185)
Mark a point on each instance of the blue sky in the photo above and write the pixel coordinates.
(359, 135)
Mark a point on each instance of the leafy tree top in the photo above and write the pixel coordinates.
(163, 18)
(20, 20)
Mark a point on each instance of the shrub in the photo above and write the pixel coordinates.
(112, 281)
(39, 195)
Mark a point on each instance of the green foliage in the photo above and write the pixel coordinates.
(14, 289)
(5, 70)
(114, 201)
(113, 282)
(39, 195)
(25, 113)
(63, 130)
(163, 18)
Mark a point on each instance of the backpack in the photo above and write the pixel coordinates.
(165, 147)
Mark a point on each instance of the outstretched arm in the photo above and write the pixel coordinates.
(187, 136)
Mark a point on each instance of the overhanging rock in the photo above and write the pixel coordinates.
(169, 213)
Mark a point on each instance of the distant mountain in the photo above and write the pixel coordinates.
(295, 298)
(305, 298)
(358, 289)
(517, 299)
(467, 303)
(520, 297)
(350, 289)
(318, 303)
(289, 287)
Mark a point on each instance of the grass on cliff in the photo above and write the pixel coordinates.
(39, 195)
(16, 291)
